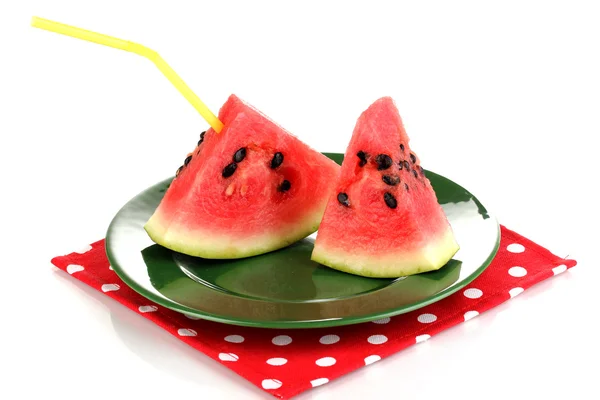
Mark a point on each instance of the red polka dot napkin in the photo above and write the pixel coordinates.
(285, 363)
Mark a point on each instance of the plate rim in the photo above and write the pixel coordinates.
(304, 324)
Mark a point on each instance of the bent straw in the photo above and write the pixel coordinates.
(136, 48)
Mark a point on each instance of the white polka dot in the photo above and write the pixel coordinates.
(473, 293)
(84, 249)
(517, 272)
(192, 317)
(470, 315)
(228, 357)
(329, 339)
(515, 248)
(277, 361)
(270, 384)
(110, 287)
(186, 332)
(319, 382)
(515, 291)
(426, 318)
(234, 339)
(377, 339)
(325, 362)
(72, 268)
(382, 321)
(145, 309)
(422, 338)
(371, 359)
(559, 270)
(282, 340)
(110, 267)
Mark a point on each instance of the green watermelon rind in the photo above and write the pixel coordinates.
(389, 265)
(192, 244)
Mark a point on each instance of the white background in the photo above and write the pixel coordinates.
(502, 97)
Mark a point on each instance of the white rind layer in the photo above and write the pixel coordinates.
(213, 245)
(429, 258)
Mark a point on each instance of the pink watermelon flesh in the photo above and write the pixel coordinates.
(383, 220)
(219, 208)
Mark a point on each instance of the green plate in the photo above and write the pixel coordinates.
(285, 289)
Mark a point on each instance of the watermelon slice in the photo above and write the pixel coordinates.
(383, 220)
(250, 189)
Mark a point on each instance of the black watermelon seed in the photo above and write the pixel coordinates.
(413, 158)
(229, 170)
(401, 147)
(239, 155)
(285, 186)
(406, 165)
(187, 160)
(383, 162)
(363, 158)
(421, 170)
(178, 171)
(277, 160)
(343, 199)
(400, 165)
(390, 200)
(199, 142)
(415, 173)
(406, 187)
(202, 135)
(391, 180)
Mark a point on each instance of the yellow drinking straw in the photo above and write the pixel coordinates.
(138, 49)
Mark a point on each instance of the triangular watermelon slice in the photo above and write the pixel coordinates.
(248, 190)
(383, 220)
